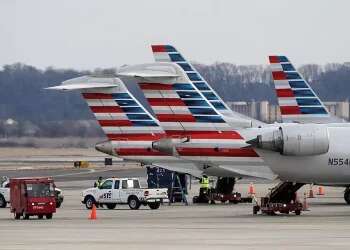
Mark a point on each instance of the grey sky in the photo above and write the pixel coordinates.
(87, 34)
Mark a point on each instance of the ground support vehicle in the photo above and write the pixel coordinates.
(32, 197)
(270, 208)
(282, 198)
(115, 191)
(4, 196)
(212, 195)
(4, 191)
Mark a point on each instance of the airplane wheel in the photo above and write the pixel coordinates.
(347, 195)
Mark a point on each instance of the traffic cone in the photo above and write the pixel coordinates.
(311, 193)
(305, 205)
(320, 190)
(93, 213)
(251, 190)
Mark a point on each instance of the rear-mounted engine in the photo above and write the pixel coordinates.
(296, 140)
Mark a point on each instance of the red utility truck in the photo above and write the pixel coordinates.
(32, 197)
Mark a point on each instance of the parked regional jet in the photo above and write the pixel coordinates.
(134, 134)
(297, 153)
(205, 138)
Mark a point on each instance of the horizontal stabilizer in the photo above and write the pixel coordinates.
(82, 86)
(150, 71)
(87, 82)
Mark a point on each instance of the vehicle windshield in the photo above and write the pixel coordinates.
(40, 189)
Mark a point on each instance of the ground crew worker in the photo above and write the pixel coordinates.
(98, 183)
(204, 182)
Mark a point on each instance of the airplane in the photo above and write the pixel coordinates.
(135, 135)
(309, 153)
(313, 146)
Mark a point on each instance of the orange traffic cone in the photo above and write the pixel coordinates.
(93, 213)
(320, 190)
(251, 190)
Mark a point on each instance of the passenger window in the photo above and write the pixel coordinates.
(107, 184)
(116, 185)
(130, 184)
(124, 184)
(136, 184)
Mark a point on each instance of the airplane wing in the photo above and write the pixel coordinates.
(263, 172)
(181, 168)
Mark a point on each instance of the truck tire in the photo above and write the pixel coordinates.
(17, 216)
(2, 201)
(256, 209)
(234, 202)
(111, 205)
(154, 205)
(297, 212)
(89, 201)
(25, 216)
(40, 216)
(134, 203)
(58, 204)
(49, 216)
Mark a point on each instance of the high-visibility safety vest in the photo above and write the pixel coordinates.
(204, 182)
(98, 183)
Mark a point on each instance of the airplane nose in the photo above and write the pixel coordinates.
(105, 147)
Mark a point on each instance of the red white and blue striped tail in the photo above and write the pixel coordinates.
(128, 125)
(175, 98)
(185, 114)
(297, 100)
(168, 53)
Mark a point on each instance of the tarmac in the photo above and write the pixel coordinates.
(219, 226)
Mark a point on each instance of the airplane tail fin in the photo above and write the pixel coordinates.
(297, 100)
(176, 101)
(128, 125)
(168, 53)
(185, 114)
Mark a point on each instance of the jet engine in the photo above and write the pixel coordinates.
(295, 140)
(168, 145)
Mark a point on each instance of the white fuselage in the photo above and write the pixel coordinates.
(331, 168)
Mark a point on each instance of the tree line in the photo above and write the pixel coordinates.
(40, 112)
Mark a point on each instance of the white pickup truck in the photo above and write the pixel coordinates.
(115, 191)
(4, 194)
